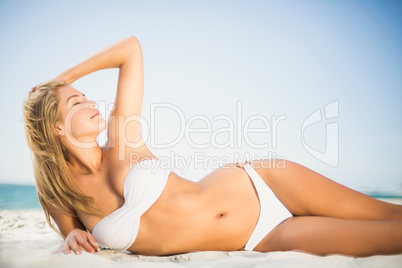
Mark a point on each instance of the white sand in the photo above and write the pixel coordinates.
(27, 241)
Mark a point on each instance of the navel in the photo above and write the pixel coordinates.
(220, 215)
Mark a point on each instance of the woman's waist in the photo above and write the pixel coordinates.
(182, 231)
(182, 198)
(196, 216)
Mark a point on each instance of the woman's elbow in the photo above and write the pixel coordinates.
(133, 42)
(132, 46)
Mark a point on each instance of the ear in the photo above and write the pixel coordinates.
(59, 130)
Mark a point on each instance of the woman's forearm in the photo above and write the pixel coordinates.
(113, 56)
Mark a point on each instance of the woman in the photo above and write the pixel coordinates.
(130, 206)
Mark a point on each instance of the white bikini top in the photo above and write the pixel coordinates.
(143, 185)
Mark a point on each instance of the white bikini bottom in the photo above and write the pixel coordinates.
(272, 211)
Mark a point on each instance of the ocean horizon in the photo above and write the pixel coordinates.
(18, 196)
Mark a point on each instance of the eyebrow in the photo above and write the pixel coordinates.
(74, 96)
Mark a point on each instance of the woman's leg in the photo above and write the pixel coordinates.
(307, 193)
(324, 235)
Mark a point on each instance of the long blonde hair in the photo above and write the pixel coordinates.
(56, 188)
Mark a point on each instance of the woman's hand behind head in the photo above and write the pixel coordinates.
(32, 90)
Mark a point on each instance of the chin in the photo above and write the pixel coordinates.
(102, 127)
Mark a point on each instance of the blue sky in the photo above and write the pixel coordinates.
(278, 58)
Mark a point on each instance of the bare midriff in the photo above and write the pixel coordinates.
(217, 213)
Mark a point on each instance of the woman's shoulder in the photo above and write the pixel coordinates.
(123, 154)
(117, 162)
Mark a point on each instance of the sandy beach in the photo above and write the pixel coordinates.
(27, 241)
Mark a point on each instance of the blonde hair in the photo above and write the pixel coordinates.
(56, 188)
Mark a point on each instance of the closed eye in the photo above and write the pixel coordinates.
(75, 96)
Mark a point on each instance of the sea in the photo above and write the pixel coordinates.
(14, 197)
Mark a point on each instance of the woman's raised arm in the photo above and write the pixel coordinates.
(127, 56)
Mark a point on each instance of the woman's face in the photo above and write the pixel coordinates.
(80, 122)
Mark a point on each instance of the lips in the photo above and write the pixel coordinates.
(97, 113)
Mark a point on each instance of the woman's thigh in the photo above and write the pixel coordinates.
(325, 235)
(307, 193)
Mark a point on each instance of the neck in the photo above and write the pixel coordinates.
(85, 160)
